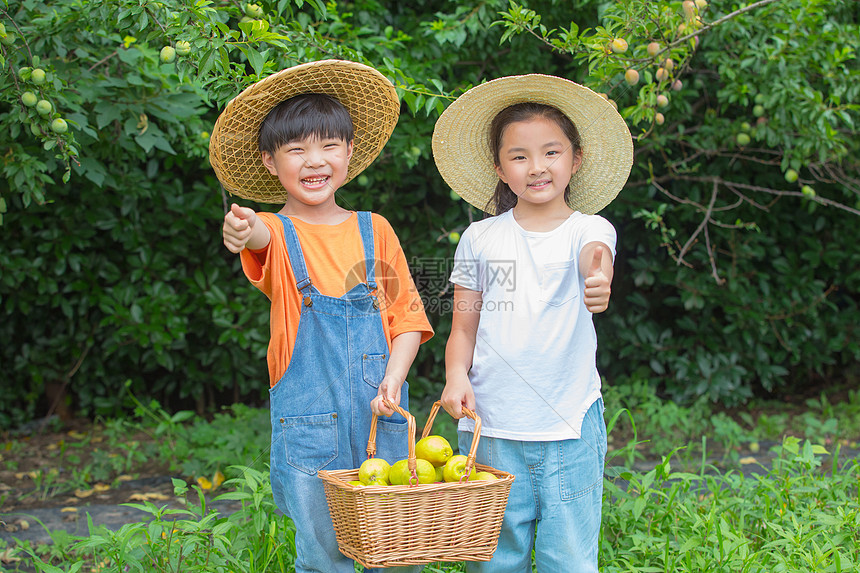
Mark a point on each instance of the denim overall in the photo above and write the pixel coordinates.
(320, 407)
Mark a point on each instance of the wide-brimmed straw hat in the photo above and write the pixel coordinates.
(461, 141)
(368, 96)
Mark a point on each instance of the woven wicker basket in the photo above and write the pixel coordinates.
(385, 526)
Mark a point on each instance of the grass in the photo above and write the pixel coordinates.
(675, 498)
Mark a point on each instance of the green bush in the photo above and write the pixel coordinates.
(730, 282)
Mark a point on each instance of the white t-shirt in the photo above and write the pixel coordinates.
(533, 370)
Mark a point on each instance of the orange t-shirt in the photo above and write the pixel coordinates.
(334, 257)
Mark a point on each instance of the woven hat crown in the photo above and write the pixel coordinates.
(368, 96)
(461, 142)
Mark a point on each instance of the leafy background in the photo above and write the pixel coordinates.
(731, 281)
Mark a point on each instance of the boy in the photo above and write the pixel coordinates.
(346, 320)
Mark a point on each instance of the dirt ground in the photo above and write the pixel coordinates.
(53, 483)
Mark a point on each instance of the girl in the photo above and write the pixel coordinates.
(543, 155)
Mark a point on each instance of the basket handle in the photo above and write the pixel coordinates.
(476, 436)
(410, 431)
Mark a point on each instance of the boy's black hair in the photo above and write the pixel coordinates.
(302, 116)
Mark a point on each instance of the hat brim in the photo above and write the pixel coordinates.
(368, 96)
(461, 146)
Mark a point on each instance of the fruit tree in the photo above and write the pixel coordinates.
(734, 272)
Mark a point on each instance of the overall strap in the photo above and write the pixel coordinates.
(365, 228)
(297, 259)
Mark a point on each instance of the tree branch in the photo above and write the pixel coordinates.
(701, 226)
(716, 23)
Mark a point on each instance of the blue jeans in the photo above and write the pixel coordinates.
(555, 501)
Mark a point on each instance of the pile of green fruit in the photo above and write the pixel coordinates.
(435, 461)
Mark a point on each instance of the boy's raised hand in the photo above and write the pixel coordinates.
(238, 225)
(597, 283)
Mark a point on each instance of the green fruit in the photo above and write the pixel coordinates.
(435, 449)
(8, 39)
(758, 110)
(22, 72)
(253, 10)
(808, 191)
(619, 45)
(743, 139)
(631, 76)
(791, 175)
(759, 98)
(183, 48)
(453, 237)
(455, 468)
(426, 471)
(400, 474)
(44, 107)
(745, 126)
(689, 8)
(29, 99)
(454, 195)
(168, 54)
(38, 76)
(363, 180)
(59, 126)
(374, 470)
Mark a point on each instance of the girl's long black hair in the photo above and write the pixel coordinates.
(503, 198)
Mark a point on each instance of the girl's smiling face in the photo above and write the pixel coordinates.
(536, 160)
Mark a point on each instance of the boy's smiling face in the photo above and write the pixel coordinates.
(310, 169)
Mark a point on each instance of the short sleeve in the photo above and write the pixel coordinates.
(466, 272)
(404, 308)
(597, 229)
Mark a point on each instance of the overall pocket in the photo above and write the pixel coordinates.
(559, 283)
(391, 439)
(310, 442)
(373, 368)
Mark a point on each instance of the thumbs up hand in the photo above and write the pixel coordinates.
(238, 226)
(598, 281)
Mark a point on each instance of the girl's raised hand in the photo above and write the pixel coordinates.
(598, 282)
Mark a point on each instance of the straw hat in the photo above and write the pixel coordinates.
(369, 97)
(461, 140)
